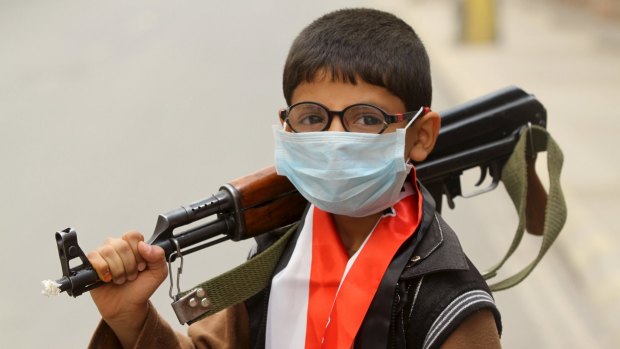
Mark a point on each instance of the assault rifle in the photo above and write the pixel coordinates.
(481, 133)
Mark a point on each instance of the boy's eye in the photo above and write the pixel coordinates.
(364, 117)
(366, 120)
(310, 119)
(307, 118)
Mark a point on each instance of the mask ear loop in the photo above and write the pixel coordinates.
(414, 118)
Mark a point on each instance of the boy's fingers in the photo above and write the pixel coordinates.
(114, 261)
(100, 266)
(128, 259)
(133, 238)
(120, 260)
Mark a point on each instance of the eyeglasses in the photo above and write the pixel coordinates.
(364, 118)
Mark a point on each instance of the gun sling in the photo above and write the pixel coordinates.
(514, 177)
(244, 281)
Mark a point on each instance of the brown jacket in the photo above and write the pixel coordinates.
(227, 329)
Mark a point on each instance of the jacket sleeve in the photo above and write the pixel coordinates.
(223, 330)
(445, 301)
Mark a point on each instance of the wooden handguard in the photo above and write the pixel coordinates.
(264, 201)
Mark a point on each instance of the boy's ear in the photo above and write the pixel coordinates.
(281, 120)
(423, 134)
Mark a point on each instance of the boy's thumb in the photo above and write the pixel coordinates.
(153, 256)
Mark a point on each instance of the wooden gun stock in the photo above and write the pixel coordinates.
(264, 201)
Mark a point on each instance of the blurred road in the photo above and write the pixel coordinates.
(112, 112)
(570, 60)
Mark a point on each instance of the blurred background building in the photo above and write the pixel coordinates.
(112, 112)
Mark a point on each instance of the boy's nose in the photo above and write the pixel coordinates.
(336, 125)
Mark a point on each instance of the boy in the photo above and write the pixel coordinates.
(372, 264)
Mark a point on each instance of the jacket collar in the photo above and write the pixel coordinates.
(438, 248)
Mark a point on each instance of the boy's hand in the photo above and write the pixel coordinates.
(133, 270)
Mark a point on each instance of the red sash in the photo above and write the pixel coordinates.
(335, 315)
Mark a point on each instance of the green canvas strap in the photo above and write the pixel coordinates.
(231, 287)
(514, 177)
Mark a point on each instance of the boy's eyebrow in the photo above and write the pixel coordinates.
(376, 105)
(373, 103)
(381, 106)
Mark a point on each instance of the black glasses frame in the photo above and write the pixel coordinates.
(388, 118)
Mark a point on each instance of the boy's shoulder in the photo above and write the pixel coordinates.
(439, 288)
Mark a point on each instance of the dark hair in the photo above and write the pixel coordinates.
(375, 46)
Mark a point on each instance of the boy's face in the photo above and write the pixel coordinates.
(337, 95)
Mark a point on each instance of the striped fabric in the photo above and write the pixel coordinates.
(458, 306)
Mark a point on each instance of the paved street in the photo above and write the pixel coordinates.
(111, 113)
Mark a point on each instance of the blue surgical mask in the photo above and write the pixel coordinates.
(345, 173)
